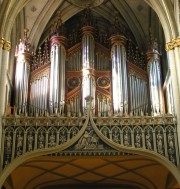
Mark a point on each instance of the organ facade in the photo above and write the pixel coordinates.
(71, 66)
(89, 89)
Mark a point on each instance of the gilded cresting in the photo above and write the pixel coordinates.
(172, 44)
(6, 45)
(1, 42)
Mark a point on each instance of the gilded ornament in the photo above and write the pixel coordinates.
(169, 46)
(177, 42)
(73, 82)
(174, 43)
(103, 82)
(7, 45)
(1, 42)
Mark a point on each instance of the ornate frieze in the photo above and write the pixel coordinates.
(94, 135)
(173, 44)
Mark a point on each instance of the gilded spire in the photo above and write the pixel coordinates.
(24, 44)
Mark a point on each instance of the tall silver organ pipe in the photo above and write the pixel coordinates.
(57, 76)
(138, 94)
(39, 95)
(88, 83)
(169, 95)
(21, 85)
(22, 75)
(74, 61)
(155, 83)
(119, 75)
(102, 61)
(88, 51)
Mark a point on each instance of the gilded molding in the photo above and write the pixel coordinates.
(1, 42)
(7, 45)
(174, 43)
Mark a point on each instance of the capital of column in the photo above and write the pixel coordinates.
(1, 42)
(152, 54)
(118, 39)
(173, 44)
(58, 40)
(7, 45)
(87, 30)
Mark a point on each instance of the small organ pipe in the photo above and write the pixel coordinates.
(51, 78)
(133, 93)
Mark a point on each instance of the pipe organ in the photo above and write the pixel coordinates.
(39, 95)
(22, 75)
(57, 75)
(155, 83)
(88, 83)
(119, 75)
(71, 66)
(138, 94)
(169, 98)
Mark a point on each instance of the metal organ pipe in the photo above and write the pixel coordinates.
(21, 83)
(88, 83)
(57, 75)
(159, 87)
(138, 94)
(38, 97)
(154, 73)
(119, 75)
(22, 74)
(51, 79)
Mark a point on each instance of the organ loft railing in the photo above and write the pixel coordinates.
(87, 85)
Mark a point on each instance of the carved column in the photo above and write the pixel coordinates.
(4, 54)
(3, 75)
(1, 49)
(175, 76)
(4, 58)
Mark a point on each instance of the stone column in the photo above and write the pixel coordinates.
(4, 55)
(3, 75)
(1, 49)
(177, 59)
(173, 52)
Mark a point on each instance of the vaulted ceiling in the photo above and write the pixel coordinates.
(137, 15)
(123, 172)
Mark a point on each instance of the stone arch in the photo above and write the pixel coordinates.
(170, 30)
(155, 156)
(40, 152)
(168, 22)
(160, 7)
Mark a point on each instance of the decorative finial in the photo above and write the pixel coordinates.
(25, 32)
